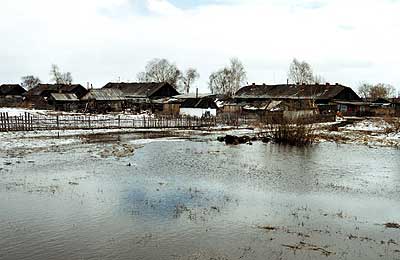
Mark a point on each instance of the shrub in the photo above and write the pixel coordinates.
(292, 132)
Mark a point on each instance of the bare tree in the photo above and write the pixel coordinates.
(29, 82)
(364, 90)
(160, 70)
(318, 79)
(229, 79)
(376, 91)
(58, 77)
(300, 72)
(189, 77)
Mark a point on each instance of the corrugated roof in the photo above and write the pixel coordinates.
(199, 103)
(140, 89)
(104, 95)
(293, 91)
(63, 88)
(64, 97)
(11, 89)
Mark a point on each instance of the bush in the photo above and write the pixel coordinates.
(292, 132)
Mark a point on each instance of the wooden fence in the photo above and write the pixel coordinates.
(29, 122)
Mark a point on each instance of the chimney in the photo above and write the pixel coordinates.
(197, 93)
(87, 85)
(287, 81)
(91, 86)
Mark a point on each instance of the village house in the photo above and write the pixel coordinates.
(11, 95)
(40, 96)
(64, 102)
(144, 95)
(103, 100)
(295, 100)
(195, 105)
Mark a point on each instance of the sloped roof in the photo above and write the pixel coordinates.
(104, 95)
(64, 97)
(63, 88)
(193, 95)
(291, 91)
(199, 103)
(11, 89)
(139, 89)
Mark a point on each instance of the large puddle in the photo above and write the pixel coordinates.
(199, 199)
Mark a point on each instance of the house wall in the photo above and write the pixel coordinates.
(171, 109)
(231, 109)
(10, 101)
(292, 115)
(197, 112)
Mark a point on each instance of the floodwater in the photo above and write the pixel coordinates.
(199, 199)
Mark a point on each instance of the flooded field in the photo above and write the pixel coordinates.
(171, 198)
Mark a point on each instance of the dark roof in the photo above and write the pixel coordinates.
(199, 103)
(104, 95)
(52, 88)
(64, 97)
(142, 89)
(292, 91)
(11, 89)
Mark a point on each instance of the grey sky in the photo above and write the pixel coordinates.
(346, 41)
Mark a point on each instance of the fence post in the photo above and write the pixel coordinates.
(7, 122)
(1, 122)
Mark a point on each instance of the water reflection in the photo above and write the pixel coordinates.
(201, 200)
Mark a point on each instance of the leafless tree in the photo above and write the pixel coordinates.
(29, 82)
(58, 77)
(229, 79)
(160, 70)
(364, 90)
(188, 78)
(376, 91)
(300, 72)
(318, 79)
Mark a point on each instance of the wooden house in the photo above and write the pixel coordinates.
(39, 96)
(298, 97)
(199, 107)
(145, 95)
(11, 95)
(103, 100)
(64, 102)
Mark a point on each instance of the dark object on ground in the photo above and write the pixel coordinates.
(221, 138)
(392, 225)
(266, 139)
(235, 140)
(268, 228)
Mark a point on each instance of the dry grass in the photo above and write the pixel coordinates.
(292, 132)
(394, 125)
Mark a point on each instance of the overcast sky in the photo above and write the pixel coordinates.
(98, 41)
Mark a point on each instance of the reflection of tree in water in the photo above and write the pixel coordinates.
(166, 203)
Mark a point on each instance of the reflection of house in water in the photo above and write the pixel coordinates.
(11, 95)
